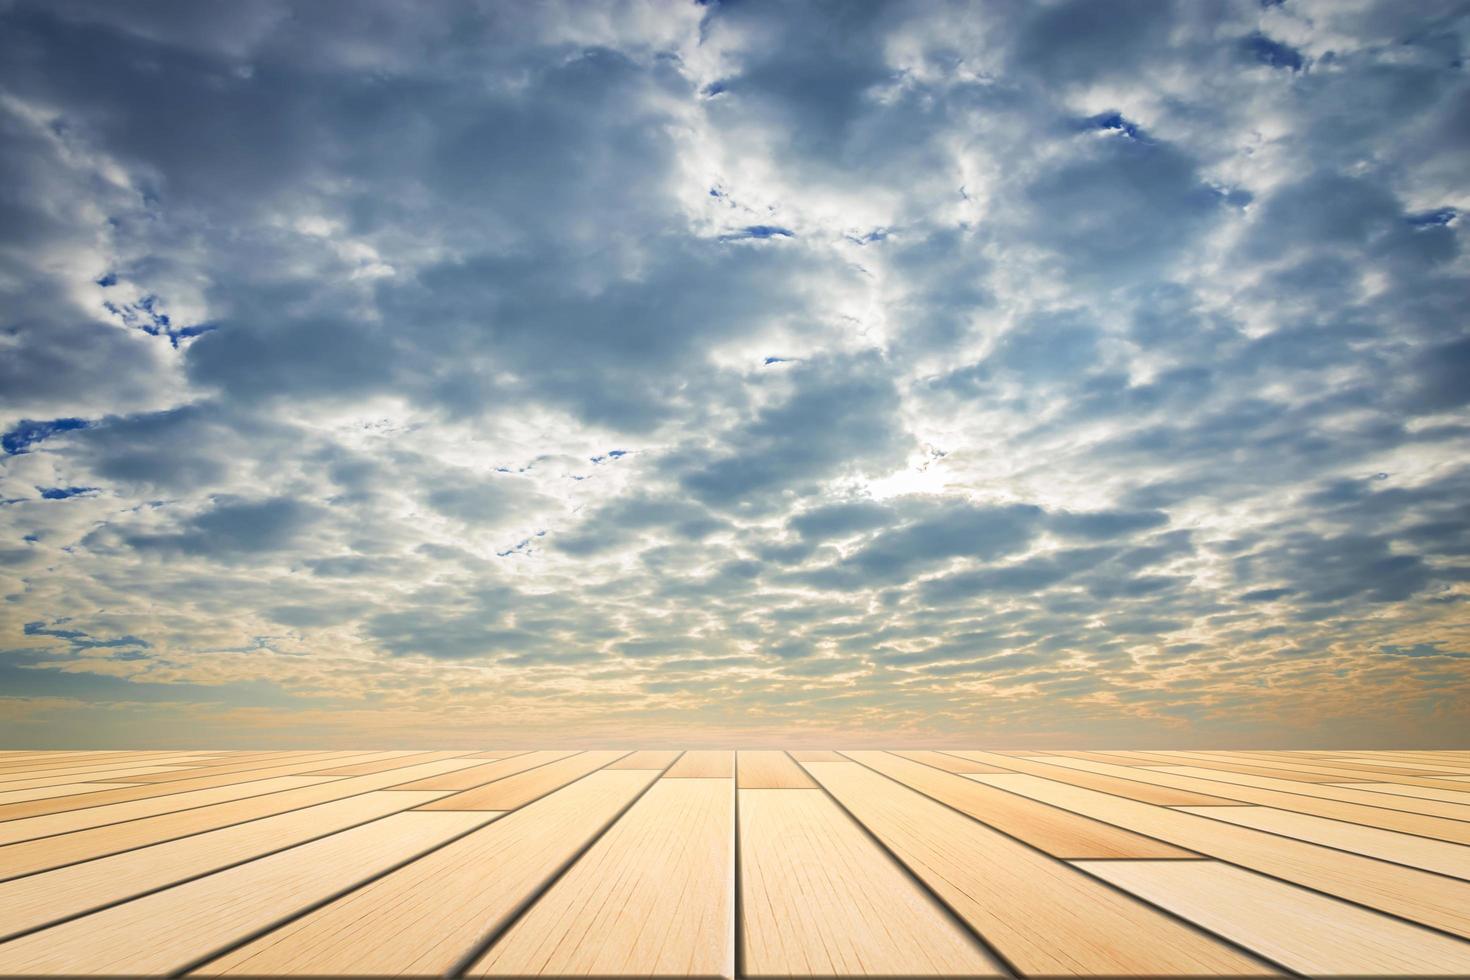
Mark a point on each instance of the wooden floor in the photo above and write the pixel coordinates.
(718, 863)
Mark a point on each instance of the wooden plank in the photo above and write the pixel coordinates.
(82, 845)
(653, 896)
(1307, 772)
(150, 791)
(647, 759)
(1375, 808)
(30, 828)
(124, 775)
(472, 776)
(1117, 785)
(1057, 832)
(818, 898)
(399, 760)
(769, 770)
(1460, 769)
(55, 791)
(1038, 913)
(956, 762)
(1418, 852)
(130, 760)
(41, 899)
(520, 789)
(167, 931)
(498, 754)
(1460, 797)
(814, 755)
(704, 764)
(239, 768)
(1307, 932)
(426, 917)
(1423, 897)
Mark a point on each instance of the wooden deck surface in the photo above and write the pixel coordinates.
(815, 862)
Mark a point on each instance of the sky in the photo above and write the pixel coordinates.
(814, 374)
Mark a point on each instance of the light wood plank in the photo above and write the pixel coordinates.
(1388, 845)
(1426, 898)
(488, 772)
(1119, 786)
(520, 789)
(41, 899)
(950, 762)
(1381, 813)
(168, 930)
(820, 899)
(56, 791)
(124, 775)
(31, 770)
(1302, 930)
(814, 755)
(1343, 792)
(1057, 832)
(1413, 765)
(1306, 772)
(30, 828)
(769, 770)
(647, 759)
(1040, 914)
(1460, 797)
(704, 764)
(654, 895)
(52, 852)
(240, 768)
(399, 760)
(427, 916)
(150, 791)
(498, 754)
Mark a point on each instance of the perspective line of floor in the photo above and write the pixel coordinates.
(717, 863)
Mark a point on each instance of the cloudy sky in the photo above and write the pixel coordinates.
(784, 373)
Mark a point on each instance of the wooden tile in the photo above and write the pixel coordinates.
(658, 759)
(654, 895)
(1302, 930)
(769, 770)
(425, 917)
(56, 791)
(1131, 788)
(242, 768)
(168, 930)
(397, 761)
(1417, 895)
(522, 788)
(818, 898)
(1388, 845)
(37, 900)
(1459, 797)
(1057, 832)
(814, 755)
(1043, 916)
(704, 764)
(472, 776)
(116, 775)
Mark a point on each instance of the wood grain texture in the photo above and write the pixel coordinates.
(169, 930)
(427, 916)
(653, 897)
(29, 828)
(1416, 895)
(522, 788)
(1302, 930)
(1336, 771)
(769, 770)
(1039, 913)
(487, 772)
(647, 759)
(704, 764)
(1057, 832)
(1459, 797)
(82, 845)
(1308, 799)
(398, 761)
(40, 899)
(1454, 806)
(114, 774)
(820, 899)
(1387, 845)
(240, 767)
(949, 762)
(814, 755)
(1118, 785)
(56, 791)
